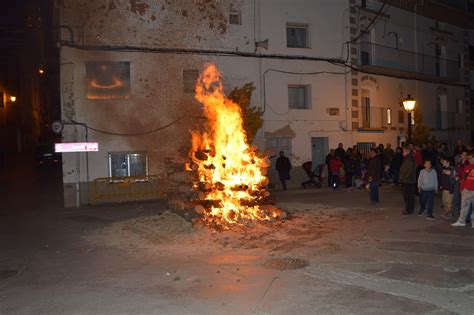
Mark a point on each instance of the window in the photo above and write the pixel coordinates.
(235, 18)
(365, 112)
(364, 147)
(2, 100)
(298, 97)
(442, 112)
(297, 35)
(108, 80)
(365, 101)
(128, 164)
(190, 77)
(401, 117)
(389, 116)
(277, 144)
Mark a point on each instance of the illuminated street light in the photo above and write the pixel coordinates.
(41, 71)
(13, 99)
(409, 105)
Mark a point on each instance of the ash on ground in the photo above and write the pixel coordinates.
(305, 224)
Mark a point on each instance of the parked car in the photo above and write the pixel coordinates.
(45, 155)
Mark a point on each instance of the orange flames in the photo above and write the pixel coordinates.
(231, 174)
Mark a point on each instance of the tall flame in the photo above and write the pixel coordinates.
(231, 174)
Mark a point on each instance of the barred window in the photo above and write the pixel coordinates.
(123, 164)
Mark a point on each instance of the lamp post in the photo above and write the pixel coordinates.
(409, 105)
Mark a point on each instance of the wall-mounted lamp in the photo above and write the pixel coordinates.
(263, 44)
(13, 99)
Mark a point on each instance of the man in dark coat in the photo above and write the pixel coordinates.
(430, 154)
(408, 180)
(340, 152)
(283, 166)
(374, 171)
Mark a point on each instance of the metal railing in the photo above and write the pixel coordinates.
(375, 117)
(404, 60)
(115, 189)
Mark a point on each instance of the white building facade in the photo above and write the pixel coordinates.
(128, 69)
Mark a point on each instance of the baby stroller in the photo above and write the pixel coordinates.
(387, 175)
(316, 176)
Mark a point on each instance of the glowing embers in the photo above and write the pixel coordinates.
(108, 80)
(232, 175)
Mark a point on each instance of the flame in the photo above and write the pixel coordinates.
(231, 173)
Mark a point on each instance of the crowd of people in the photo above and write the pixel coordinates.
(420, 171)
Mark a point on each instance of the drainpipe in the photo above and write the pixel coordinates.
(416, 54)
(257, 35)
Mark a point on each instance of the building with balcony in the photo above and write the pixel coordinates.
(325, 72)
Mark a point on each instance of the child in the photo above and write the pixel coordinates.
(427, 186)
(447, 181)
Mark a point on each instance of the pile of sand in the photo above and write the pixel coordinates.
(145, 232)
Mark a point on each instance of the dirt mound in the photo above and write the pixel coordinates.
(166, 228)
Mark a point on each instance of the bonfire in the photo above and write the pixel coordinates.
(231, 173)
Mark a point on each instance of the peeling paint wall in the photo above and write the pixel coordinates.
(165, 23)
(157, 97)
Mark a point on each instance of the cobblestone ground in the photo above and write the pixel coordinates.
(335, 254)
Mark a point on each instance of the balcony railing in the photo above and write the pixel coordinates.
(450, 121)
(407, 61)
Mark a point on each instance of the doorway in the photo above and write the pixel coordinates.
(319, 150)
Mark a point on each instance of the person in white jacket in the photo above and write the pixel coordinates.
(427, 186)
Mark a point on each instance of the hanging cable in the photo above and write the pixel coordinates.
(138, 133)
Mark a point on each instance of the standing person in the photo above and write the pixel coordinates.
(428, 187)
(388, 154)
(429, 153)
(340, 151)
(336, 166)
(396, 164)
(459, 148)
(460, 165)
(374, 171)
(328, 163)
(443, 150)
(408, 180)
(446, 184)
(467, 192)
(283, 166)
(348, 168)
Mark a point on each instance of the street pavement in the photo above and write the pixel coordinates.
(336, 254)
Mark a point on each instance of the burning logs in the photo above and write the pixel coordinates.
(231, 173)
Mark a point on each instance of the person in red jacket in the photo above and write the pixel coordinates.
(467, 191)
(336, 165)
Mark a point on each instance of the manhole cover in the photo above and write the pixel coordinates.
(285, 263)
(5, 274)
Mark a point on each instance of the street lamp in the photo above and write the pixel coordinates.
(409, 105)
